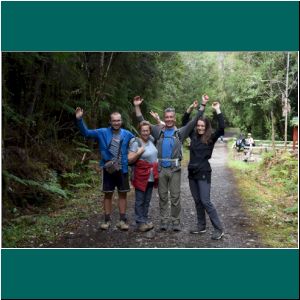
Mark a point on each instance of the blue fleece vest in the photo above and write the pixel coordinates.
(104, 137)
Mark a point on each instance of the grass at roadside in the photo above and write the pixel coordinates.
(269, 193)
(35, 230)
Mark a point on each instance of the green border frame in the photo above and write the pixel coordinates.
(150, 26)
(139, 274)
(150, 273)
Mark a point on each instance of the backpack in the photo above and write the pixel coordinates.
(177, 137)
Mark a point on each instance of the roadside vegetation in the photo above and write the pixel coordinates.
(269, 190)
(50, 172)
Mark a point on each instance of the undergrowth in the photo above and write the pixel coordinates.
(53, 189)
(269, 190)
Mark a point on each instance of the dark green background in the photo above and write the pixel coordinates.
(146, 26)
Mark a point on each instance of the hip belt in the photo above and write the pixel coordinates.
(176, 161)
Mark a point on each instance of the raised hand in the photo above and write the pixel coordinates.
(205, 99)
(195, 104)
(155, 116)
(137, 101)
(216, 105)
(78, 113)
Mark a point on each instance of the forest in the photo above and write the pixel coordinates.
(45, 160)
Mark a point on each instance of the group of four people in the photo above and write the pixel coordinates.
(156, 156)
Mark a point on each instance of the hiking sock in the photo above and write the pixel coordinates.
(107, 217)
(123, 217)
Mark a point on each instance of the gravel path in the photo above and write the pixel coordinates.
(238, 228)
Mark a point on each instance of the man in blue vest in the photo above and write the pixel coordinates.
(169, 140)
(113, 147)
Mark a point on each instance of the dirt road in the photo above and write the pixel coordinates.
(238, 228)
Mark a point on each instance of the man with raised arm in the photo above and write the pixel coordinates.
(169, 140)
(113, 147)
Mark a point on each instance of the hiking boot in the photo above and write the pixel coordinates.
(150, 225)
(217, 234)
(198, 230)
(176, 227)
(163, 227)
(105, 225)
(122, 225)
(145, 227)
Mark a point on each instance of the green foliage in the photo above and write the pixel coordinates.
(70, 175)
(254, 84)
(291, 210)
(83, 149)
(80, 144)
(39, 230)
(269, 194)
(43, 149)
(283, 169)
(55, 189)
(51, 186)
(80, 185)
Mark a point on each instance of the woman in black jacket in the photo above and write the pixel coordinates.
(199, 172)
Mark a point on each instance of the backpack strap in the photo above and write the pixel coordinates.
(120, 145)
(177, 149)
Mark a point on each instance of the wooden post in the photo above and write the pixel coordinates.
(295, 137)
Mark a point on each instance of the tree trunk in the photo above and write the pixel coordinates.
(286, 100)
(273, 130)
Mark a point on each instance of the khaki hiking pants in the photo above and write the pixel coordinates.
(169, 182)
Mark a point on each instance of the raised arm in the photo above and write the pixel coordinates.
(82, 127)
(221, 125)
(186, 117)
(157, 118)
(137, 101)
(188, 128)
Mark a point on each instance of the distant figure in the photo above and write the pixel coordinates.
(240, 143)
(249, 140)
(249, 143)
(221, 139)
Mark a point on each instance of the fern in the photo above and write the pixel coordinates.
(79, 144)
(83, 149)
(52, 187)
(55, 189)
(15, 178)
(70, 175)
(66, 107)
(80, 185)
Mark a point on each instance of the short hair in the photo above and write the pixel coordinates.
(144, 123)
(115, 113)
(170, 109)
